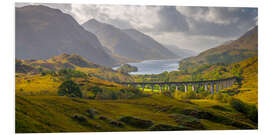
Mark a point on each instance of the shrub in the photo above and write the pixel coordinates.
(104, 118)
(203, 94)
(253, 113)
(135, 122)
(165, 127)
(238, 105)
(79, 118)
(130, 92)
(186, 95)
(188, 121)
(68, 73)
(107, 94)
(112, 122)
(218, 107)
(250, 111)
(91, 113)
(221, 97)
(43, 73)
(125, 93)
(69, 88)
(96, 90)
(116, 123)
(167, 93)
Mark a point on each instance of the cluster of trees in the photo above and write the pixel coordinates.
(68, 73)
(124, 93)
(126, 68)
(71, 89)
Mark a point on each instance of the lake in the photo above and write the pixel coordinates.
(154, 66)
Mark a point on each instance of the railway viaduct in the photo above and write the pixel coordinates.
(212, 85)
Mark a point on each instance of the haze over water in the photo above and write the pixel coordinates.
(154, 66)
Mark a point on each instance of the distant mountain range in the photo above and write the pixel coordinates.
(129, 44)
(183, 53)
(230, 52)
(43, 32)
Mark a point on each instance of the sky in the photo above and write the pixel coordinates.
(194, 28)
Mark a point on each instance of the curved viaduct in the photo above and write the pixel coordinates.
(212, 85)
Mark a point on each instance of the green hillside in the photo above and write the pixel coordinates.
(67, 61)
(107, 106)
(244, 47)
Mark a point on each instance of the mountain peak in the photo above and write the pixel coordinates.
(64, 55)
(43, 32)
(39, 8)
(74, 59)
(93, 21)
(128, 44)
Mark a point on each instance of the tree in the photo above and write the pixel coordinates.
(96, 90)
(69, 88)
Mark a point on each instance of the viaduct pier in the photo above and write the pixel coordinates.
(212, 85)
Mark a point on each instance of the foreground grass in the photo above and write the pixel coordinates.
(56, 114)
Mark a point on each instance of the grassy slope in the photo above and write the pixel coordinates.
(244, 47)
(249, 86)
(48, 85)
(36, 84)
(54, 113)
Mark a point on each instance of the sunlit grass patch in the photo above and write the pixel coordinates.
(37, 84)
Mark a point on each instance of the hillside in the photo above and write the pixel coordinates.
(127, 45)
(235, 51)
(157, 50)
(156, 113)
(43, 32)
(121, 108)
(67, 61)
(249, 84)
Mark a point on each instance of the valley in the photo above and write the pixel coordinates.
(97, 77)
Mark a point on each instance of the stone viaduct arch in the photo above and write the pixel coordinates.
(212, 85)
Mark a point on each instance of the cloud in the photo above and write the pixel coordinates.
(219, 21)
(197, 28)
(139, 17)
(196, 43)
(171, 20)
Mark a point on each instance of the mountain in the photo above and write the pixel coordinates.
(230, 52)
(127, 44)
(43, 32)
(156, 49)
(183, 53)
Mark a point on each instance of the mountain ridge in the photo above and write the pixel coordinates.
(237, 50)
(121, 44)
(43, 32)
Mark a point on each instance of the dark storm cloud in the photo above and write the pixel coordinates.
(220, 21)
(171, 20)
